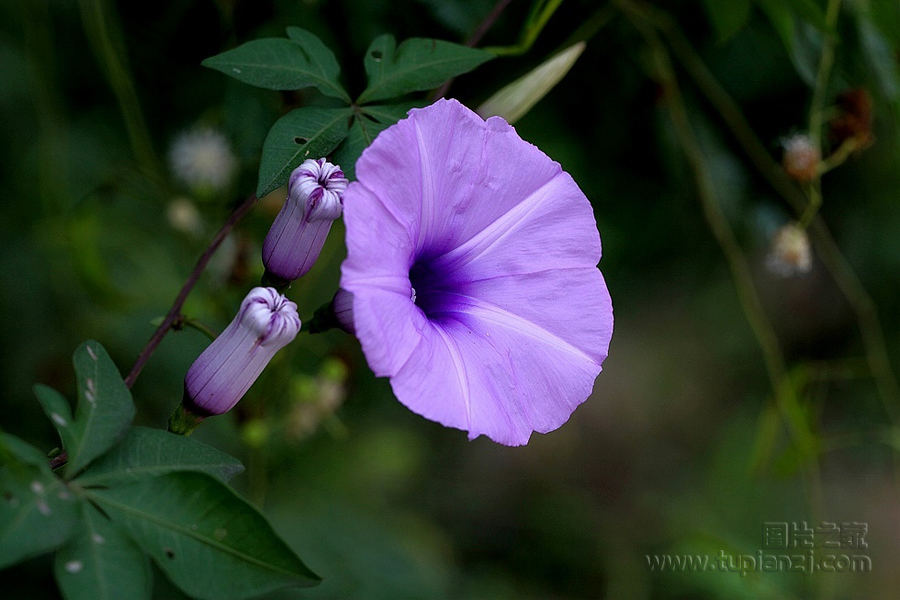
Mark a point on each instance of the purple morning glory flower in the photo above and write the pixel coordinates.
(223, 373)
(299, 231)
(472, 264)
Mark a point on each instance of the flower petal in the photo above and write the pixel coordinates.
(459, 173)
(510, 319)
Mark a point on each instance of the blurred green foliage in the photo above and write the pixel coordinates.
(679, 450)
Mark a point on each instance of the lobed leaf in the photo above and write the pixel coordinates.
(308, 132)
(210, 542)
(282, 64)
(57, 409)
(104, 411)
(322, 59)
(416, 64)
(100, 563)
(37, 510)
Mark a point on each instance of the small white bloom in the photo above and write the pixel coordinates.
(184, 216)
(790, 253)
(202, 159)
(801, 157)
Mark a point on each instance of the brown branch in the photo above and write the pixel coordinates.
(175, 311)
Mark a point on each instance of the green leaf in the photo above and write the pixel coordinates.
(100, 563)
(322, 60)
(13, 450)
(365, 128)
(150, 452)
(879, 58)
(57, 409)
(811, 12)
(308, 132)
(782, 19)
(727, 17)
(37, 510)
(515, 99)
(417, 64)
(281, 64)
(210, 542)
(105, 409)
(885, 14)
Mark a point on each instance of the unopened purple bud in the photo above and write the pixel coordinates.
(223, 373)
(342, 305)
(314, 201)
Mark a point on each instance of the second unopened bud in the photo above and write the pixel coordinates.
(314, 201)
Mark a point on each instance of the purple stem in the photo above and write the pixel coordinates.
(473, 40)
(175, 311)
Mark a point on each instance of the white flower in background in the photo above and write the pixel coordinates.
(202, 159)
(790, 253)
(184, 217)
(801, 157)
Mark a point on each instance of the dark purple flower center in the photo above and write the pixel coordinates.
(436, 291)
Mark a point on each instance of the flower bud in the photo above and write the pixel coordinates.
(296, 238)
(801, 158)
(224, 372)
(790, 253)
(343, 310)
(516, 99)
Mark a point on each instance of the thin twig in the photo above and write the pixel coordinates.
(473, 40)
(782, 388)
(175, 311)
(823, 241)
(104, 32)
(487, 23)
(823, 74)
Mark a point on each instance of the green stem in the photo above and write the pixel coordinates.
(782, 388)
(52, 184)
(183, 422)
(816, 106)
(826, 62)
(541, 12)
(201, 327)
(812, 207)
(823, 242)
(105, 36)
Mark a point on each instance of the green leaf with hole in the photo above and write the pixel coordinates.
(372, 120)
(100, 563)
(416, 64)
(308, 132)
(210, 542)
(282, 64)
(104, 411)
(37, 510)
(149, 452)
